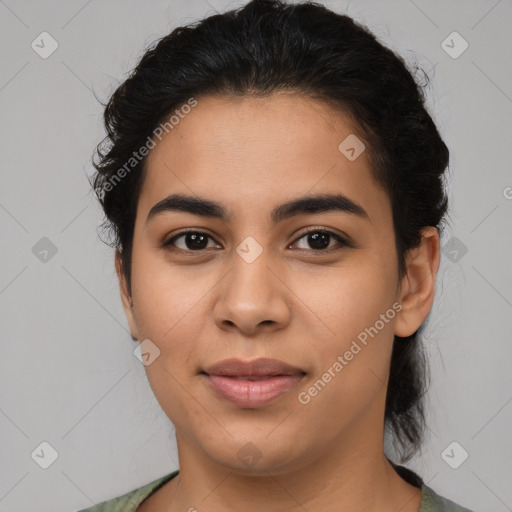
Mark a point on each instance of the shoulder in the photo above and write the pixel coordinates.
(433, 502)
(129, 501)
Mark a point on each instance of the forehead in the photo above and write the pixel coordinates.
(249, 152)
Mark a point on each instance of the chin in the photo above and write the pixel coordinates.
(254, 455)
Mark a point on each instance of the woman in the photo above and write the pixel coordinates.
(275, 186)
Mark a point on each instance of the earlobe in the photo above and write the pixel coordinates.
(125, 296)
(417, 289)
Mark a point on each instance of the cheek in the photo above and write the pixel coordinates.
(167, 305)
(355, 306)
(342, 301)
(166, 297)
(170, 311)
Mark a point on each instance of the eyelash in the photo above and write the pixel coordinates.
(343, 243)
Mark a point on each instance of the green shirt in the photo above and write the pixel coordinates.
(129, 502)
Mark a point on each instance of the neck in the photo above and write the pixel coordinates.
(363, 480)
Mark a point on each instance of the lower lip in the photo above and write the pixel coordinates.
(257, 393)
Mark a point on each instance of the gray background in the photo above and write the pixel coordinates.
(68, 373)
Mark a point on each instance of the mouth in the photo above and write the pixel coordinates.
(252, 384)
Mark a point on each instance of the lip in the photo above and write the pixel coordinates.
(252, 384)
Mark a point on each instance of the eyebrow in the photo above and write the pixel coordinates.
(302, 206)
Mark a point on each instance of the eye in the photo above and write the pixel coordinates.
(319, 240)
(193, 241)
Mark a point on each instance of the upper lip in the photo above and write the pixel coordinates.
(255, 368)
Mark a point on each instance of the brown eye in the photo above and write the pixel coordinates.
(192, 241)
(319, 240)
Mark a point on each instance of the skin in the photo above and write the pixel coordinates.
(294, 303)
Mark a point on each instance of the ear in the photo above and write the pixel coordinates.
(417, 289)
(125, 296)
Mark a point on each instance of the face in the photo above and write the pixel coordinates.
(314, 288)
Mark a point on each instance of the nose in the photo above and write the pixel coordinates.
(252, 298)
